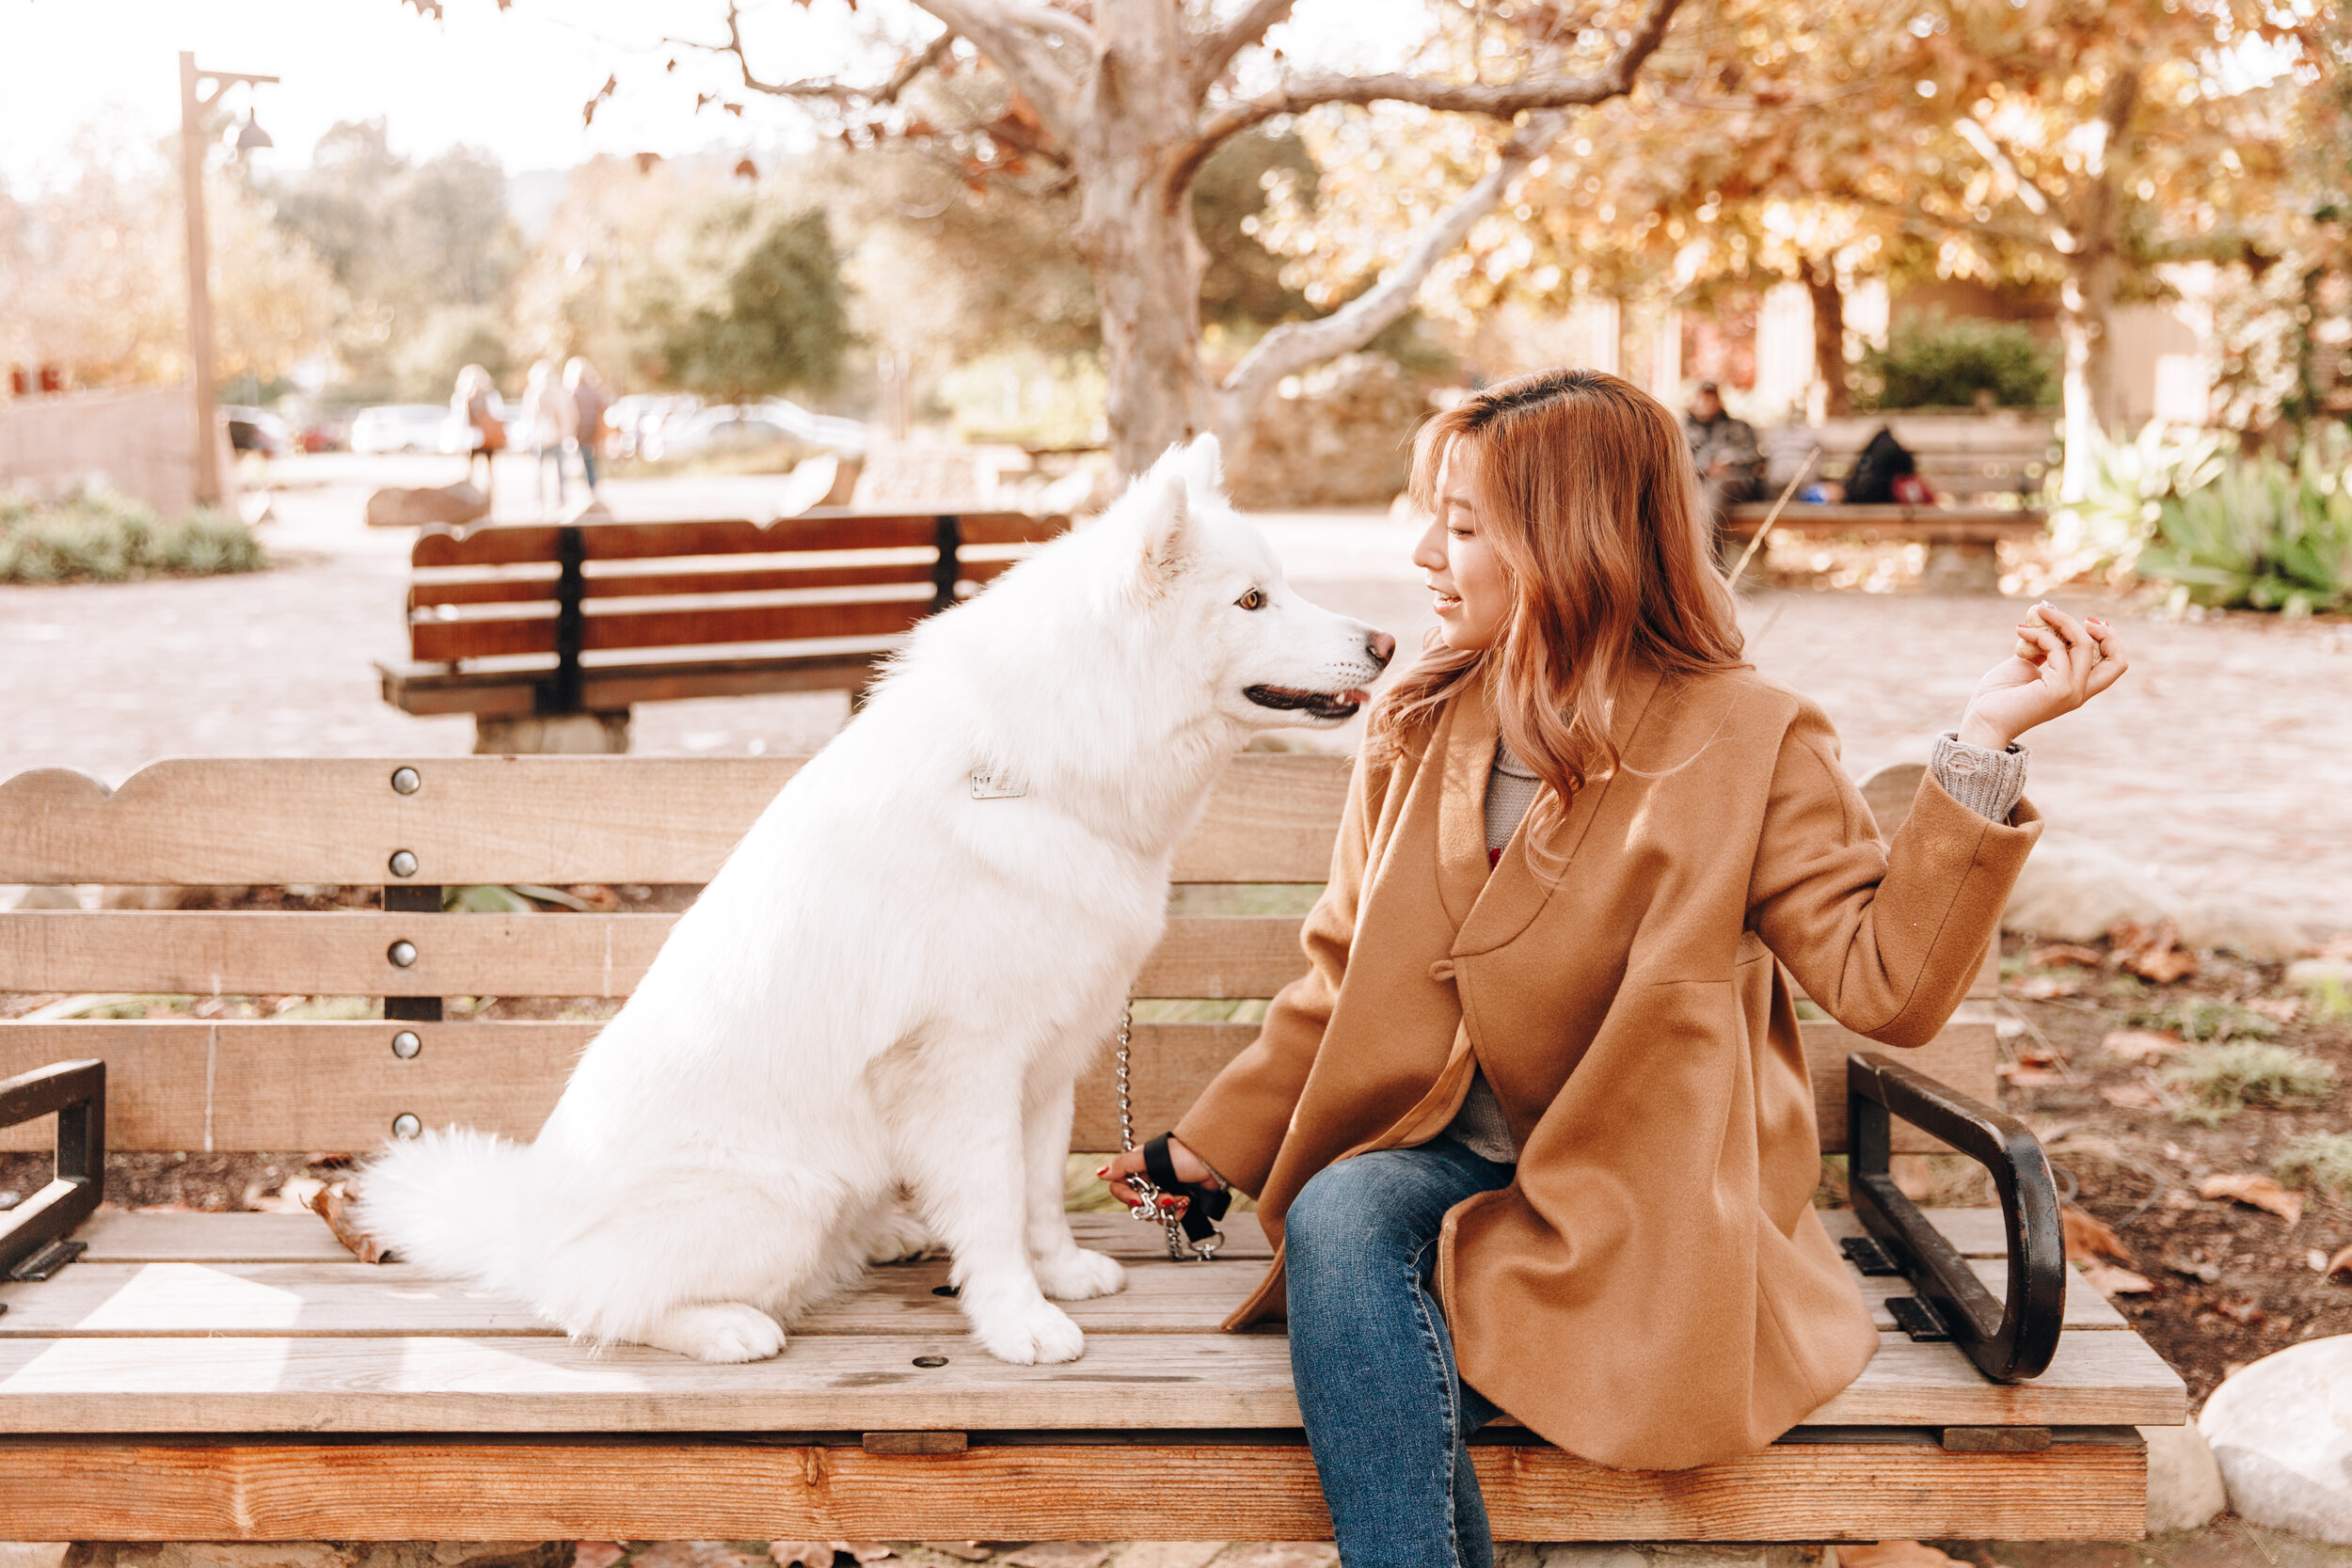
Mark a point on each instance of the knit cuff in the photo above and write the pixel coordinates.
(1988, 782)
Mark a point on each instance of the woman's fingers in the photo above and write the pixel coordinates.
(2112, 663)
(1116, 1173)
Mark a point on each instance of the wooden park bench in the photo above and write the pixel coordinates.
(1981, 465)
(521, 623)
(218, 1376)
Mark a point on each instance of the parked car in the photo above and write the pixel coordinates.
(818, 430)
(404, 427)
(728, 427)
(637, 419)
(258, 430)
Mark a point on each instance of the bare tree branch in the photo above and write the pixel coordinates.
(1012, 35)
(1218, 48)
(1501, 101)
(1295, 346)
(843, 93)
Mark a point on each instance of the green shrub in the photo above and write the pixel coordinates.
(2205, 1017)
(2261, 534)
(2320, 1161)
(2219, 1079)
(1941, 364)
(99, 537)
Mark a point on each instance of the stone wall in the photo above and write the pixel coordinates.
(1338, 435)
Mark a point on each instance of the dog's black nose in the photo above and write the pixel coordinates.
(1383, 648)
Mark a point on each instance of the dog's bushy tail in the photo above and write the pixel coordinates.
(455, 1202)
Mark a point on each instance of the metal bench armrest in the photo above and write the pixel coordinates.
(2008, 1340)
(77, 1092)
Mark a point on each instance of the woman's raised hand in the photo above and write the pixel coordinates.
(1189, 1168)
(2072, 663)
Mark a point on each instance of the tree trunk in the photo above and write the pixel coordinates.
(1829, 340)
(2093, 403)
(1135, 231)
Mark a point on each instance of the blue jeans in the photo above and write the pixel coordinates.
(1387, 1414)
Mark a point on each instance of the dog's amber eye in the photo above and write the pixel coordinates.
(1254, 599)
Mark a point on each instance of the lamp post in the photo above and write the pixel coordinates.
(193, 100)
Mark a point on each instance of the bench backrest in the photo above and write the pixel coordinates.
(1965, 454)
(241, 1062)
(524, 590)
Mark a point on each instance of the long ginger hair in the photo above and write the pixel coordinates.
(1586, 493)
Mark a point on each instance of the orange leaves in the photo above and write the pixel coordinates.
(2139, 1045)
(2151, 952)
(2259, 1191)
(2093, 1247)
(1895, 1554)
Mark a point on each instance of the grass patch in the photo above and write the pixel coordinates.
(2219, 1079)
(2320, 1161)
(99, 537)
(2205, 1017)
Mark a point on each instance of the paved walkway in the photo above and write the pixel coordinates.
(2224, 760)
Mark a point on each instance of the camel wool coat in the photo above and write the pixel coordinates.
(1653, 1290)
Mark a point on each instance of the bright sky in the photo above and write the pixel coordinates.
(511, 82)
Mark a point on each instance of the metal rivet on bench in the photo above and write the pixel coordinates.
(405, 780)
(403, 864)
(926, 1360)
(407, 1126)
(402, 953)
(405, 1044)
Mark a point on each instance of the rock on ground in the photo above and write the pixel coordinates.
(2185, 1487)
(448, 503)
(2281, 1429)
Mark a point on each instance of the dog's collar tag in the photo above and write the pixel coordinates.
(991, 786)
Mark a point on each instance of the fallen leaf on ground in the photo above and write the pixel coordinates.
(333, 1204)
(2257, 1192)
(2066, 953)
(2109, 1280)
(2179, 1197)
(2340, 1266)
(2025, 1077)
(2139, 1045)
(2131, 1097)
(2151, 952)
(2279, 1009)
(2038, 1054)
(1894, 1554)
(2088, 1236)
(2191, 1267)
(598, 1554)
(2243, 1309)
(2042, 988)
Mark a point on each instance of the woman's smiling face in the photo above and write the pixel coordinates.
(1473, 593)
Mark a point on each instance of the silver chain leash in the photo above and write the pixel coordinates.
(1181, 1248)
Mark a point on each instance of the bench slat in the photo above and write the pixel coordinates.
(846, 665)
(531, 820)
(539, 588)
(869, 1383)
(309, 1300)
(289, 1085)
(2090, 1485)
(204, 953)
(606, 631)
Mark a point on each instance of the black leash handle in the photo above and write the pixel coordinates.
(1203, 1206)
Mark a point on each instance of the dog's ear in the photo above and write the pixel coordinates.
(1166, 521)
(1205, 465)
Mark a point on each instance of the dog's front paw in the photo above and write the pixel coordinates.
(1036, 1334)
(723, 1331)
(1077, 1274)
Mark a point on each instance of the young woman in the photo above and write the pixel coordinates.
(1534, 1134)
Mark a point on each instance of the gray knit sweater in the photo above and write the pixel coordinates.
(1986, 781)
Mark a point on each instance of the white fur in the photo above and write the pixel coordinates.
(891, 983)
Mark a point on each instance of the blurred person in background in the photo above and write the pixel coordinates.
(585, 402)
(475, 401)
(1724, 450)
(541, 429)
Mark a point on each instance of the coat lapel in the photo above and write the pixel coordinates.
(1517, 893)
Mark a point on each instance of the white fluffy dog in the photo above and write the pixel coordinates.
(903, 968)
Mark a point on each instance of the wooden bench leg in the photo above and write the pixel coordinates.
(551, 735)
(1961, 567)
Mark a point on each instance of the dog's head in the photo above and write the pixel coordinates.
(1207, 576)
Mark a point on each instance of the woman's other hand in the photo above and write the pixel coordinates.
(2075, 661)
(1191, 1167)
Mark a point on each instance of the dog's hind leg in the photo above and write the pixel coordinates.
(1065, 1270)
(955, 1124)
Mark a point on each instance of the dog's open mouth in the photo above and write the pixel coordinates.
(1319, 705)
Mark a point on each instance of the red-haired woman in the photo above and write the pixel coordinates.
(1534, 1134)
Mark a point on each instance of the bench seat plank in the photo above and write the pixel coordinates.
(551, 819)
(2086, 1486)
(288, 1086)
(352, 1298)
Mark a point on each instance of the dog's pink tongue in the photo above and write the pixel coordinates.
(1356, 694)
